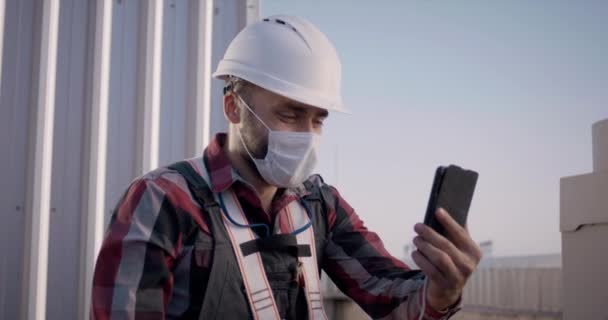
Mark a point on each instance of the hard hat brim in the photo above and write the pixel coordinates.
(281, 87)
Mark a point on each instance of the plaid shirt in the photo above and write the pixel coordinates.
(148, 267)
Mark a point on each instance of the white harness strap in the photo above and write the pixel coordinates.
(298, 218)
(259, 292)
(258, 288)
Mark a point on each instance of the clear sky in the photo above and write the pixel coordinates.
(508, 88)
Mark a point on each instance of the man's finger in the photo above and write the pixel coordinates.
(439, 241)
(430, 235)
(441, 260)
(459, 235)
(464, 261)
(427, 267)
(459, 258)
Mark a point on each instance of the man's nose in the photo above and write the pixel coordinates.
(307, 125)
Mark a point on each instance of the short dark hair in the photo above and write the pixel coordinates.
(239, 86)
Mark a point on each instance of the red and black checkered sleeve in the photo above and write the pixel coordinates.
(359, 264)
(132, 275)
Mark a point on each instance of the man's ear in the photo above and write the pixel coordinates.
(231, 109)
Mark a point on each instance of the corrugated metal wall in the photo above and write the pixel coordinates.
(93, 94)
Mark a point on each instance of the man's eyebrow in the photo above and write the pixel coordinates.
(303, 109)
(296, 108)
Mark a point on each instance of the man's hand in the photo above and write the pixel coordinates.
(447, 263)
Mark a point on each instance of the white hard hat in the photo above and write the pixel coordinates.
(288, 56)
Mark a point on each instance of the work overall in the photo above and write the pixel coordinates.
(251, 277)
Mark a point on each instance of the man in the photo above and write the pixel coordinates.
(244, 230)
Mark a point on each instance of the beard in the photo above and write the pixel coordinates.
(254, 136)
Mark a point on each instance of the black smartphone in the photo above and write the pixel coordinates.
(452, 190)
